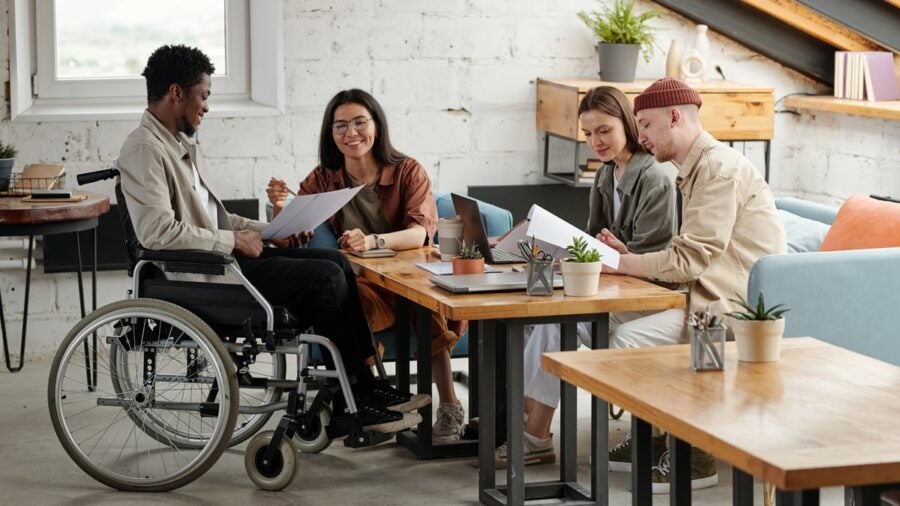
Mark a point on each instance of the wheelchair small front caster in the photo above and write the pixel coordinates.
(268, 468)
(311, 436)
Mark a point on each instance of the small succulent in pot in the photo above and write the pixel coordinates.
(579, 253)
(758, 312)
(7, 151)
(469, 251)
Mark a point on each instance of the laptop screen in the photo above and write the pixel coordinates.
(473, 227)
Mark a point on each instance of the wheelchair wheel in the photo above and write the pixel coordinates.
(311, 436)
(142, 395)
(270, 366)
(268, 469)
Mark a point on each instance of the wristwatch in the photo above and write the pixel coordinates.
(379, 241)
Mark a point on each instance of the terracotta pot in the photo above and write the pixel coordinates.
(468, 265)
(758, 341)
(580, 279)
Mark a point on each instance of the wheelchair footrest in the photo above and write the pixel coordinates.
(363, 439)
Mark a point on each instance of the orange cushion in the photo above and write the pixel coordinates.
(863, 223)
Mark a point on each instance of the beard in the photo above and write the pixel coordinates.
(665, 151)
(186, 127)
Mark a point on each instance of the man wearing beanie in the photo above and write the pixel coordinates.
(728, 221)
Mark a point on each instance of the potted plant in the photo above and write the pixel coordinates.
(581, 271)
(468, 260)
(757, 329)
(7, 159)
(623, 33)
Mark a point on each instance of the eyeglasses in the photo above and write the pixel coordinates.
(359, 124)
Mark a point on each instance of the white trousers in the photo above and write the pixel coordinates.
(626, 330)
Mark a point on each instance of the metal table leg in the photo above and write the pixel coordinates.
(641, 492)
(9, 365)
(680, 477)
(741, 488)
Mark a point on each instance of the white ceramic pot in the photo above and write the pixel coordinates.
(580, 279)
(758, 341)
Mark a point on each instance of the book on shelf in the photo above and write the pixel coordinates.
(865, 75)
(879, 77)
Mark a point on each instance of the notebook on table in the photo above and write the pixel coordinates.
(491, 282)
(473, 231)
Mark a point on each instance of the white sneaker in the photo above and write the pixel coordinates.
(536, 451)
(448, 426)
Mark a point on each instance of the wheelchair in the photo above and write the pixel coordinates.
(145, 394)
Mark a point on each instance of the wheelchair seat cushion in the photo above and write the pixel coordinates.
(225, 307)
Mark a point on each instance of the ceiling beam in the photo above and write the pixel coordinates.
(876, 20)
(815, 24)
(762, 33)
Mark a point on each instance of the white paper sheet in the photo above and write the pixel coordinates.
(306, 212)
(446, 268)
(556, 232)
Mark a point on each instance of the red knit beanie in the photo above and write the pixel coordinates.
(666, 92)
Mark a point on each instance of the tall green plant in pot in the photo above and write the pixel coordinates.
(581, 271)
(623, 33)
(7, 160)
(757, 329)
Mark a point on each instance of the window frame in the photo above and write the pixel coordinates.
(258, 92)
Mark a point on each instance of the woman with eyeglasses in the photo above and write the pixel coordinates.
(395, 209)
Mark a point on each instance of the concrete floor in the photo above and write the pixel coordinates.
(34, 468)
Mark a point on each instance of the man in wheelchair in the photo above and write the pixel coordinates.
(164, 181)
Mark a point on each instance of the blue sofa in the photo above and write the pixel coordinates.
(497, 221)
(847, 298)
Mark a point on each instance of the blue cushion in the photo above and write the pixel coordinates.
(803, 234)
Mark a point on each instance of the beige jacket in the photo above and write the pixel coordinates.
(728, 223)
(157, 180)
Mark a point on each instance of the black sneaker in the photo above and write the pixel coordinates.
(375, 419)
(381, 393)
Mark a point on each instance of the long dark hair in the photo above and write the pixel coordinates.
(613, 102)
(331, 157)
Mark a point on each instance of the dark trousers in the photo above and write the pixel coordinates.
(318, 287)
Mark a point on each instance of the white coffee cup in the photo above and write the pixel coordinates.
(450, 232)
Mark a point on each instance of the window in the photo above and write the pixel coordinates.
(82, 59)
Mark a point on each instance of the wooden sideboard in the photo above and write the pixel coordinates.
(730, 111)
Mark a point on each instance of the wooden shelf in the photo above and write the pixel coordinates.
(882, 110)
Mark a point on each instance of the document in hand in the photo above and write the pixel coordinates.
(546, 227)
(306, 212)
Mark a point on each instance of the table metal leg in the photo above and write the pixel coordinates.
(863, 496)
(680, 475)
(6, 356)
(741, 488)
(486, 411)
(94, 300)
(768, 156)
(423, 371)
(401, 331)
(569, 413)
(474, 336)
(641, 492)
(515, 479)
(600, 424)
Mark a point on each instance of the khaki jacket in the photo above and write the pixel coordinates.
(728, 223)
(646, 220)
(157, 181)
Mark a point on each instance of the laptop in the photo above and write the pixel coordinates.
(473, 231)
(491, 282)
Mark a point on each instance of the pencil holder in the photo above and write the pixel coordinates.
(540, 277)
(708, 348)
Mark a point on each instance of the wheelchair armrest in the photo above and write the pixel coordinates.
(193, 261)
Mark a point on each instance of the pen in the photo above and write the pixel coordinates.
(285, 186)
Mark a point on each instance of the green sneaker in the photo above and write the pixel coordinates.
(703, 472)
(620, 455)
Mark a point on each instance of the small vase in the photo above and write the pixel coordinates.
(6, 167)
(701, 45)
(673, 60)
(467, 265)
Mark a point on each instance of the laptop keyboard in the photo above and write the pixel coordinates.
(501, 255)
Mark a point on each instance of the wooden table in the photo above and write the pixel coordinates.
(501, 318)
(731, 112)
(21, 218)
(821, 416)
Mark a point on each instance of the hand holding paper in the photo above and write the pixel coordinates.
(306, 212)
(546, 227)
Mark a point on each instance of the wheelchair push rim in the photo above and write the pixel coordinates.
(124, 431)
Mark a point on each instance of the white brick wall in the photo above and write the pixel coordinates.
(456, 78)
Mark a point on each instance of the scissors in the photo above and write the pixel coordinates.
(526, 250)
